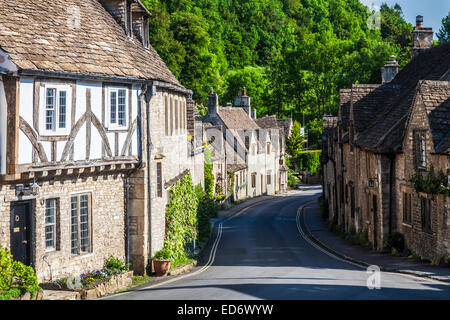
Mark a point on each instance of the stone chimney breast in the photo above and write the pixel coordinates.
(422, 38)
(213, 104)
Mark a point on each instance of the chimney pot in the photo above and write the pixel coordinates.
(389, 71)
(419, 21)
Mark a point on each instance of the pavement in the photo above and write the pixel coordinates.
(319, 231)
(260, 250)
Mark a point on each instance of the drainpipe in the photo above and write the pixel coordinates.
(150, 91)
(127, 179)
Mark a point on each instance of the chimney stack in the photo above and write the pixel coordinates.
(422, 38)
(243, 101)
(389, 71)
(213, 104)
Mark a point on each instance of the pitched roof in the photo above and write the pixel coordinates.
(267, 122)
(286, 124)
(36, 36)
(236, 118)
(386, 132)
(345, 96)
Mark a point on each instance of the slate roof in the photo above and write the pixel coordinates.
(236, 167)
(267, 122)
(236, 118)
(344, 107)
(386, 131)
(36, 36)
(286, 124)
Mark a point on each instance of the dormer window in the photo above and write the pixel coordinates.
(129, 19)
(145, 34)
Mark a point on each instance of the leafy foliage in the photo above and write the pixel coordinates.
(309, 160)
(181, 217)
(164, 254)
(431, 183)
(291, 55)
(444, 32)
(15, 277)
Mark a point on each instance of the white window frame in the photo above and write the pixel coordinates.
(52, 224)
(111, 125)
(56, 130)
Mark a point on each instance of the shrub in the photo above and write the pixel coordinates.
(24, 277)
(6, 269)
(116, 265)
(15, 277)
(309, 160)
(164, 254)
(292, 181)
(396, 242)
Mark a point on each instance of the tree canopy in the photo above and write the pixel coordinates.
(292, 56)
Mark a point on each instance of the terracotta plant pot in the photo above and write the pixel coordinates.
(162, 267)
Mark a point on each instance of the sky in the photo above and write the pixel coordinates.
(432, 10)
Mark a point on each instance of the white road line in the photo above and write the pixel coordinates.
(306, 238)
(212, 255)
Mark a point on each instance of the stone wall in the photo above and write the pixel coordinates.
(107, 225)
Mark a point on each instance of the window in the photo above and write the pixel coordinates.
(269, 178)
(166, 114)
(56, 107)
(420, 141)
(159, 179)
(117, 102)
(268, 147)
(171, 116)
(50, 224)
(426, 214)
(253, 180)
(407, 208)
(145, 34)
(80, 219)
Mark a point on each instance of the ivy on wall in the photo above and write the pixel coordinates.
(181, 217)
(431, 183)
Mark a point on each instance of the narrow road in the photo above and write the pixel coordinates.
(262, 255)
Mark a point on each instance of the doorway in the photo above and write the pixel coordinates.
(21, 232)
(375, 221)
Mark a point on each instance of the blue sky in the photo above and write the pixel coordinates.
(432, 10)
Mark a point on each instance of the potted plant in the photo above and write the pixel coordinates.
(161, 262)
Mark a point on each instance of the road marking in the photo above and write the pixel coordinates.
(212, 254)
(315, 245)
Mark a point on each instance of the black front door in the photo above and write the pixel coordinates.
(21, 232)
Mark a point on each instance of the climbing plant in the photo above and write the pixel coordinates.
(431, 183)
(181, 217)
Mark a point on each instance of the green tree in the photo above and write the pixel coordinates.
(294, 142)
(444, 32)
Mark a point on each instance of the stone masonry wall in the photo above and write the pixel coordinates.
(108, 223)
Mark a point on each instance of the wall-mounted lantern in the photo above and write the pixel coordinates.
(26, 190)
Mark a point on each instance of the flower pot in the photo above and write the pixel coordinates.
(162, 267)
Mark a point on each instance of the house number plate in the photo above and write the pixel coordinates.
(16, 230)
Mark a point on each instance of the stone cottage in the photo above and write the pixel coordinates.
(88, 111)
(253, 155)
(383, 136)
